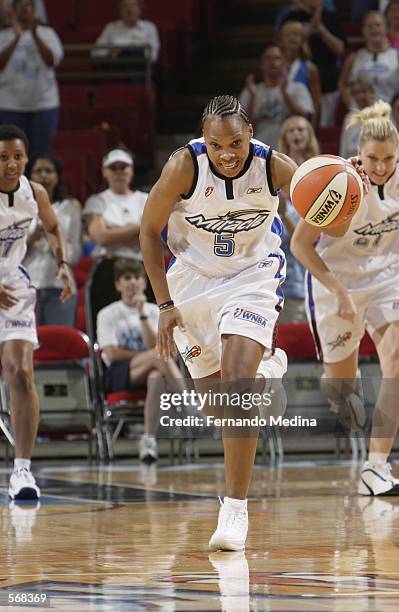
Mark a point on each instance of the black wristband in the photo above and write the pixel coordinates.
(168, 304)
(143, 318)
(63, 261)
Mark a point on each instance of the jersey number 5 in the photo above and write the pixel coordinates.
(224, 245)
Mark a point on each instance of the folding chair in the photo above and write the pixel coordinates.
(64, 376)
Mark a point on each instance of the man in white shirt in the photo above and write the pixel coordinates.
(126, 333)
(130, 30)
(275, 98)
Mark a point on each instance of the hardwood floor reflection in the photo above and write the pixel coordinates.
(127, 539)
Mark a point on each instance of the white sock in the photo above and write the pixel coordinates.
(238, 504)
(148, 436)
(377, 458)
(21, 463)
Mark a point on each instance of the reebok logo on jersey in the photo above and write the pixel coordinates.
(16, 324)
(254, 190)
(208, 191)
(265, 264)
(191, 353)
(340, 340)
(232, 222)
(390, 224)
(248, 315)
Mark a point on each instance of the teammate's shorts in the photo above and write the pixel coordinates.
(244, 304)
(336, 338)
(18, 323)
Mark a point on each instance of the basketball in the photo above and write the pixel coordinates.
(326, 190)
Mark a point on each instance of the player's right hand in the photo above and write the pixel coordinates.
(167, 322)
(346, 308)
(7, 299)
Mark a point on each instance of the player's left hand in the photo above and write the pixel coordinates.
(358, 166)
(65, 274)
(167, 322)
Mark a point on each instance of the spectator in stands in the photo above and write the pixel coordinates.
(29, 92)
(297, 5)
(362, 93)
(327, 44)
(395, 110)
(359, 8)
(298, 141)
(39, 260)
(377, 60)
(6, 12)
(295, 47)
(271, 101)
(129, 30)
(392, 16)
(113, 223)
(127, 332)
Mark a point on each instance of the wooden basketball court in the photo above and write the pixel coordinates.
(128, 538)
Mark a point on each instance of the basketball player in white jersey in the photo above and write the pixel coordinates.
(20, 203)
(353, 285)
(222, 296)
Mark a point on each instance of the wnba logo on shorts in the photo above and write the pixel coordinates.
(15, 324)
(248, 315)
(190, 353)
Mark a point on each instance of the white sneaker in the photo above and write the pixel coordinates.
(148, 451)
(23, 518)
(232, 528)
(273, 370)
(377, 479)
(23, 485)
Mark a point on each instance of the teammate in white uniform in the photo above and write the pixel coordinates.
(218, 196)
(358, 265)
(20, 203)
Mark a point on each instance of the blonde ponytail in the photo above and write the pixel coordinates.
(376, 123)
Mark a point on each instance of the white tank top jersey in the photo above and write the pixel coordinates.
(225, 225)
(368, 253)
(17, 209)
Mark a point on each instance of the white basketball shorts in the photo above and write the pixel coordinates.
(336, 338)
(244, 304)
(18, 323)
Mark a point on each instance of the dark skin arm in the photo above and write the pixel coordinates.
(176, 179)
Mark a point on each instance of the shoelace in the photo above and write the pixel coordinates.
(234, 517)
(24, 473)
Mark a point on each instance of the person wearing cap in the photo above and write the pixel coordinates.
(113, 223)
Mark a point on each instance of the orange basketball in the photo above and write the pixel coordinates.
(326, 190)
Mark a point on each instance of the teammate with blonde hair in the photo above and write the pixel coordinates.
(352, 285)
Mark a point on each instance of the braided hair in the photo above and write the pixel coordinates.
(224, 106)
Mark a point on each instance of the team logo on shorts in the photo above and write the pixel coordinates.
(191, 353)
(16, 324)
(395, 306)
(232, 222)
(340, 340)
(248, 315)
(208, 191)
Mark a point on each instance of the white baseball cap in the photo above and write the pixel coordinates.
(117, 155)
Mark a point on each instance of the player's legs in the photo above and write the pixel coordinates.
(386, 415)
(17, 365)
(241, 357)
(376, 477)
